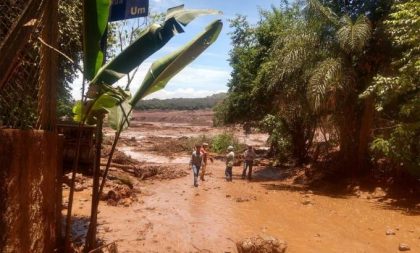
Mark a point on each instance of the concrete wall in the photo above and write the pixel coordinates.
(29, 190)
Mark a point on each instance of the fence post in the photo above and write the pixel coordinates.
(48, 78)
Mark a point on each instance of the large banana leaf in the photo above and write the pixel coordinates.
(120, 114)
(184, 16)
(95, 19)
(103, 104)
(165, 68)
(149, 41)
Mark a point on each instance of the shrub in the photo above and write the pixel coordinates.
(221, 142)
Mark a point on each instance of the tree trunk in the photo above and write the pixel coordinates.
(365, 134)
(348, 129)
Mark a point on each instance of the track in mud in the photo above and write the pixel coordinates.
(173, 216)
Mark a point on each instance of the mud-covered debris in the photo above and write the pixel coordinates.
(306, 202)
(378, 193)
(78, 187)
(245, 199)
(390, 232)
(261, 244)
(404, 247)
(118, 195)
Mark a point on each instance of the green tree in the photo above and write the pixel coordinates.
(397, 91)
(357, 50)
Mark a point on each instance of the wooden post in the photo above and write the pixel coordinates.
(47, 96)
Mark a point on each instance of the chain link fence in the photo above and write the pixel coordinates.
(20, 91)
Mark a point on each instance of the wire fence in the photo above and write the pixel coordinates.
(20, 90)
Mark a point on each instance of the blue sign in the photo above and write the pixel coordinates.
(126, 9)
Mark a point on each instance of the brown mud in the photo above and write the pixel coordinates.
(168, 214)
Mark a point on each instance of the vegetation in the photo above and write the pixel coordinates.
(308, 65)
(221, 142)
(102, 98)
(181, 103)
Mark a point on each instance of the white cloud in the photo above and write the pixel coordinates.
(193, 76)
(192, 81)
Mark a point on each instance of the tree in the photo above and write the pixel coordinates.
(70, 43)
(357, 51)
(397, 91)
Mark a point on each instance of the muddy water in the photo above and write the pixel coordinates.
(173, 216)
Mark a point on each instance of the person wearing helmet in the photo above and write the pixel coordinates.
(204, 154)
(230, 157)
(249, 156)
(196, 163)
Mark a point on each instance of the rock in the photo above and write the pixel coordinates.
(228, 196)
(404, 247)
(261, 244)
(79, 187)
(390, 232)
(306, 202)
(240, 199)
(126, 202)
(378, 193)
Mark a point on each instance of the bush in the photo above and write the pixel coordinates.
(221, 142)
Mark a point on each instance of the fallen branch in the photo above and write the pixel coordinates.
(103, 246)
(126, 168)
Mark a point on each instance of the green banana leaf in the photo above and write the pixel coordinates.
(101, 105)
(118, 114)
(165, 68)
(149, 41)
(185, 16)
(95, 20)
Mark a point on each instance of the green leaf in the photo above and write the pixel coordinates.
(78, 111)
(95, 19)
(118, 114)
(165, 68)
(149, 41)
(96, 107)
(185, 16)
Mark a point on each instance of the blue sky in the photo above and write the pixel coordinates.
(210, 72)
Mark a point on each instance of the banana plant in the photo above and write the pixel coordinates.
(103, 98)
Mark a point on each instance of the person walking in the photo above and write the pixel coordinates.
(249, 156)
(196, 163)
(204, 154)
(230, 157)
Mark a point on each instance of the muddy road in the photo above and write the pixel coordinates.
(170, 215)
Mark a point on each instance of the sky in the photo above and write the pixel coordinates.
(210, 72)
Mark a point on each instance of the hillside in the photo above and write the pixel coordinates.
(181, 103)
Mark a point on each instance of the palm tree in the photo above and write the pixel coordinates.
(336, 82)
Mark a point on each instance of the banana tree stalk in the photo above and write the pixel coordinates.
(91, 235)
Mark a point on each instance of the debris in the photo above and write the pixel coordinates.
(390, 232)
(404, 247)
(306, 202)
(378, 193)
(261, 244)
